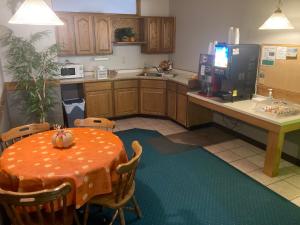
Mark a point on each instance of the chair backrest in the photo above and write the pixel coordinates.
(18, 133)
(126, 172)
(100, 123)
(29, 208)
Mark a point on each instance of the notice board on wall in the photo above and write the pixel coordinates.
(280, 70)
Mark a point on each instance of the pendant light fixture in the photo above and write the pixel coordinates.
(277, 21)
(35, 12)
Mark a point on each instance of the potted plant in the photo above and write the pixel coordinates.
(125, 34)
(32, 70)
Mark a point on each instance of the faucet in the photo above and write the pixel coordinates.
(157, 69)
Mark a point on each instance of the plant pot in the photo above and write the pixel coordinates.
(125, 39)
(132, 39)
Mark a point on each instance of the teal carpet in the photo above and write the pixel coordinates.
(196, 188)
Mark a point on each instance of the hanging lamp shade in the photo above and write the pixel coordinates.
(35, 12)
(277, 21)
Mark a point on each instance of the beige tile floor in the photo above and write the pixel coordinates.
(238, 153)
(165, 127)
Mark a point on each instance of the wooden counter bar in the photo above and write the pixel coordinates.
(244, 111)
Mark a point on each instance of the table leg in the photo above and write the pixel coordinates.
(273, 155)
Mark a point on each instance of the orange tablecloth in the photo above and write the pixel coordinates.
(88, 164)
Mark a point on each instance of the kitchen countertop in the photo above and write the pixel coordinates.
(182, 77)
(248, 107)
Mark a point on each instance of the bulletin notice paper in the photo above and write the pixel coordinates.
(292, 53)
(281, 53)
(268, 55)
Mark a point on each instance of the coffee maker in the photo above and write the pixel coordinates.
(210, 83)
(231, 72)
(236, 66)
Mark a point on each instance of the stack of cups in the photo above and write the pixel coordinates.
(234, 35)
(211, 47)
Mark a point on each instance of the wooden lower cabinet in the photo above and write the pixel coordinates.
(147, 97)
(99, 103)
(172, 104)
(181, 109)
(126, 101)
(153, 101)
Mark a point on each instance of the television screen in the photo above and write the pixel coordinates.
(221, 56)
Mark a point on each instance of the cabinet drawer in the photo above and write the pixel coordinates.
(181, 89)
(153, 84)
(126, 84)
(171, 86)
(97, 86)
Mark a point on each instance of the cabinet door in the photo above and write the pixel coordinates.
(126, 101)
(103, 35)
(171, 110)
(152, 35)
(99, 104)
(84, 34)
(181, 109)
(153, 101)
(168, 35)
(65, 35)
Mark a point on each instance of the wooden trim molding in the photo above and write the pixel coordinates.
(279, 93)
(138, 7)
(12, 86)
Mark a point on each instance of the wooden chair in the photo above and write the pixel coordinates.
(17, 133)
(100, 123)
(123, 190)
(30, 208)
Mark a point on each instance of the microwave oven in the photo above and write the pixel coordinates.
(70, 71)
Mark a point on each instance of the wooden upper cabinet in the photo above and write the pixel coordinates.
(84, 34)
(65, 35)
(168, 35)
(103, 35)
(159, 34)
(152, 26)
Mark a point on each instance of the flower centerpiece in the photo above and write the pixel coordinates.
(62, 138)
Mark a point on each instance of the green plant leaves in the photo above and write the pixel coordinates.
(32, 70)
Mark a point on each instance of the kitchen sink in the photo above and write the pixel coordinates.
(150, 75)
(156, 74)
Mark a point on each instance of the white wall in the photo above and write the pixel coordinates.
(124, 57)
(155, 7)
(200, 21)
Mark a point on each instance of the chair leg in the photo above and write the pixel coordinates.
(137, 208)
(114, 217)
(76, 218)
(121, 216)
(86, 215)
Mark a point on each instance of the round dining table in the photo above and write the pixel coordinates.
(89, 164)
